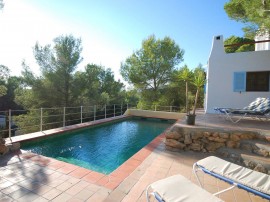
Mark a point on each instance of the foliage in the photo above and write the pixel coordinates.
(28, 123)
(253, 12)
(8, 84)
(150, 68)
(196, 80)
(57, 65)
(132, 97)
(97, 86)
(240, 48)
(4, 74)
(186, 75)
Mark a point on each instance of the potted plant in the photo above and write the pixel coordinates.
(197, 78)
(186, 75)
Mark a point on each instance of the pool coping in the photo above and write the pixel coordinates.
(110, 181)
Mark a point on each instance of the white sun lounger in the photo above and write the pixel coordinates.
(179, 189)
(238, 176)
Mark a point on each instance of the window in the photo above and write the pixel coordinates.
(251, 81)
(257, 81)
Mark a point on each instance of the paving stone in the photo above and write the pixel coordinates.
(11, 189)
(84, 194)
(5, 198)
(62, 197)
(40, 199)
(19, 193)
(75, 200)
(115, 195)
(77, 188)
(30, 184)
(53, 193)
(28, 197)
(93, 187)
(42, 189)
(4, 184)
(64, 186)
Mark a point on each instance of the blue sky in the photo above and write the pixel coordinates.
(111, 30)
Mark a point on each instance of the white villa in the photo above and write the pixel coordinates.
(236, 79)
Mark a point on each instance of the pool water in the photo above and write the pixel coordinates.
(101, 148)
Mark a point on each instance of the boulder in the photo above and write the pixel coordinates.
(174, 143)
(206, 134)
(261, 152)
(197, 142)
(2, 141)
(232, 144)
(249, 164)
(14, 146)
(235, 137)
(260, 168)
(3, 149)
(204, 140)
(195, 147)
(196, 135)
(216, 139)
(224, 135)
(173, 135)
(213, 146)
(215, 134)
(247, 136)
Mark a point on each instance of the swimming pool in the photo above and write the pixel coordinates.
(101, 148)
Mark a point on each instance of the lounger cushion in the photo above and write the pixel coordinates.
(250, 178)
(264, 107)
(177, 188)
(255, 103)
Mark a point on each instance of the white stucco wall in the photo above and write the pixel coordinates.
(221, 66)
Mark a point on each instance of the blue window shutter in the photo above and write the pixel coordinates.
(239, 81)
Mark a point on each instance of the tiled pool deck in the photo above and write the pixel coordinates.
(30, 177)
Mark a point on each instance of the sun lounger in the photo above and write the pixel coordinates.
(260, 109)
(238, 176)
(251, 106)
(179, 189)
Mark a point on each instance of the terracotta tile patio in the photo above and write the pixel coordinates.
(31, 177)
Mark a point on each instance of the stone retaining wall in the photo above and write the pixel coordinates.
(201, 139)
(205, 139)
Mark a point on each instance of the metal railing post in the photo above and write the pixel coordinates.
(114, 110)
(64, 117)
(41, 118)
(81, 113)
(9, 123)
(155, 107)
(121, 109)
(94, 112)
(127, 106)
(105, 112)
(170, 108)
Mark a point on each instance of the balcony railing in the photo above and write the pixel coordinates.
(19, 122)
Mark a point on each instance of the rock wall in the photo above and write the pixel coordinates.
(205, 140)
(224, 142)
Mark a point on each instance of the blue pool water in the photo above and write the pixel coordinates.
(101, 148)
